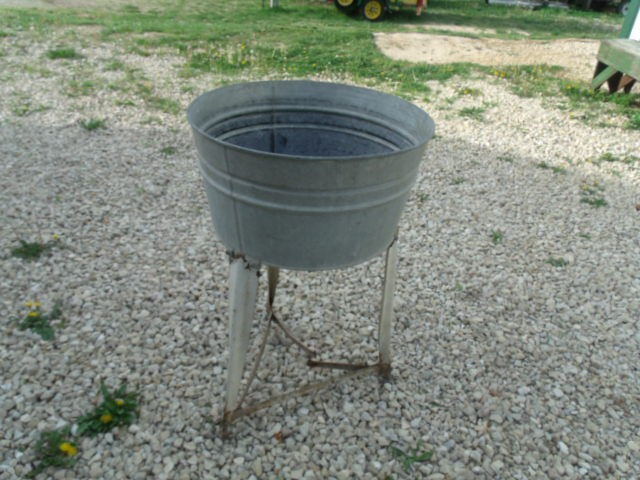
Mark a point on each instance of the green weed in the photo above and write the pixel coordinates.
(33, 250)
(458, 181)
(474, 113)
(553, 168)
(497, 236)
(592, 195)
(94, 124)
(117, 408)
(611, 158)
(54, 448)
(168, 150)
(77, 88)
(63, 53)
(414, 456)
(557, 262)
(39, 322)
(469, 92)
(24, 107)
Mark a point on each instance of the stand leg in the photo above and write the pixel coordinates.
(384, 327)
(243, 289)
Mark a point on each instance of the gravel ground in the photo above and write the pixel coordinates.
(505, 366)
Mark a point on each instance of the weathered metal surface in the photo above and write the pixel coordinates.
(307, 175)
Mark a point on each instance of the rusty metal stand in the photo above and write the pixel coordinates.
(243, 283)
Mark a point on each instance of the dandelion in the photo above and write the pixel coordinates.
(119, 402)
(32, 304)
(33, 313)
(56, 236)
(106, 418)
(69, 449)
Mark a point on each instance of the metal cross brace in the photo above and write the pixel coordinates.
(243, 288)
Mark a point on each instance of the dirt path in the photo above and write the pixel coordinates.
(577, 56)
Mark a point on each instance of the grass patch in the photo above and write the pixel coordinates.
(24, 107)
(557, 262)
(611, 158)
(469, 92)
(63, 53)
(474, 113)
(168, 150)
(553, 168)
(94, 124)
(592, 195)
(114, 65)
(81, 88)
(39, 322)
(312, 39)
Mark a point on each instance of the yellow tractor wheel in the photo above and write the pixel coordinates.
(373, 10)
(346, 6)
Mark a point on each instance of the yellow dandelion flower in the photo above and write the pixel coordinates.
(31, 303)
(119, 402)
(56, 236)
(69, 448)
(106, 418)
(33, 313)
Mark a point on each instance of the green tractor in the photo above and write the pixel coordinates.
(375, 10)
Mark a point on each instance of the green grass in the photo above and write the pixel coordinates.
(303, 39)
(474, 113)
(608, 157)
(591, 194)
(557, 262)
(553, 168)
(94, 124)
(168, 150)
(63, 53)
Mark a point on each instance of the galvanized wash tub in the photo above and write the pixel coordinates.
(307, 175)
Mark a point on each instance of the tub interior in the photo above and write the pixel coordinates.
(309, 133)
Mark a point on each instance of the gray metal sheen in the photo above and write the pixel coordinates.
(307, 175)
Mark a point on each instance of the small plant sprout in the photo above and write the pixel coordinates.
(117, 408)
(39, 322)
(168, 150)
(94, 124)
(415, 456)
(458, 181)
(497, 236)
(54, 448)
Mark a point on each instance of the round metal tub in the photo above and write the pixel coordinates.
(307, 175)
